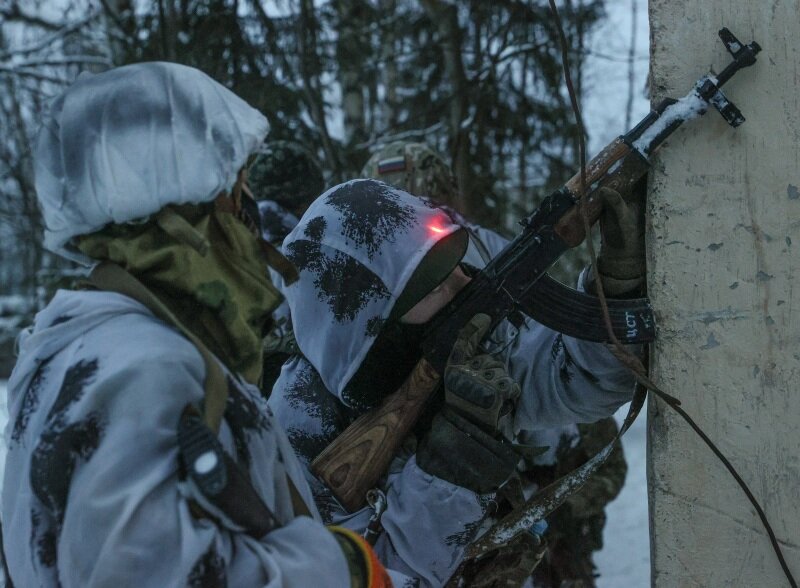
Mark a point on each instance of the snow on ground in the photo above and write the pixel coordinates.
(624, 561)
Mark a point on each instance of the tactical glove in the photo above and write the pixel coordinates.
(621, 262)
(464, 446)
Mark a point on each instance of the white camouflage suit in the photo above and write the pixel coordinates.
(356, 247)
(91, 494)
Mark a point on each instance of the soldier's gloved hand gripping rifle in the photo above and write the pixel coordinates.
(512, 282)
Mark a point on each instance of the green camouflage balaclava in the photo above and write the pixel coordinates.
(286, 173)
(206, 266)
(415, 168)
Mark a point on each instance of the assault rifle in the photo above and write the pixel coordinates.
(513, 282)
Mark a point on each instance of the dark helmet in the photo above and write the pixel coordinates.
(286, 173)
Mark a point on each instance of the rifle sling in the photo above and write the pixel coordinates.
(545, 501)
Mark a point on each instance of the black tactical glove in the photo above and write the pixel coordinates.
(621, 262)
(464, 446)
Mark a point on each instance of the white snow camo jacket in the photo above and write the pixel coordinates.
(91, 495)
(356, 248)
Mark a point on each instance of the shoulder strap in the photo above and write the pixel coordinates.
(111, 277)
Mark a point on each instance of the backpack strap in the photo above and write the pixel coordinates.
(113, 278)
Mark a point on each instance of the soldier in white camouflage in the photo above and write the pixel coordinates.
(119, 383)
(576, 529)
(285, 178)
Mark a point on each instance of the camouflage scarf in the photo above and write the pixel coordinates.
(207, 268)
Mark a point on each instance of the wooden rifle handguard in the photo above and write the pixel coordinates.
(357, 458)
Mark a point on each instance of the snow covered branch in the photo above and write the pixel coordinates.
(58, 61)
(14, 13)
(61, 31)
(18, 71)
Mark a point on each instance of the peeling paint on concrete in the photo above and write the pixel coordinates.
(711, 316)
(763, 276)
(711, 342)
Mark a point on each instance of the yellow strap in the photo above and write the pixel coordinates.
(110, 276)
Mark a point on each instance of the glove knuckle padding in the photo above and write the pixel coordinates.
(464, 446)
(477, 386)
(480, 390)
(462, 384)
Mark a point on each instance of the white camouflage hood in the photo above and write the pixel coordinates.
(356, 248)
(120, 145)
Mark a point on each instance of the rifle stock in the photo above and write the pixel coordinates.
(356, 460)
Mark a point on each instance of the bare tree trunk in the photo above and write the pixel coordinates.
(445, 16)
(167, 27)
(310, 70)
(118, 16)
(387, 57)
(350, 53)
(521, 197)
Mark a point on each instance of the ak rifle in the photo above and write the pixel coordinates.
(512, 282)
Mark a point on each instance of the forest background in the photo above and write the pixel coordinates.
(479, 81)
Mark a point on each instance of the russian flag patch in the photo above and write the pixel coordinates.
(393, 164)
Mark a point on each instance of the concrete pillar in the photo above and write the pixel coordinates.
(724, 264)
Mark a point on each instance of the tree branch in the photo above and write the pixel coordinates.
(14, 13)
(14, 71)
(60, 33)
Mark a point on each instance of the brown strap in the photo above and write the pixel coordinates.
(299, 505)
(112, 277)
(277, 261)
